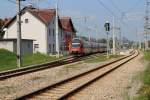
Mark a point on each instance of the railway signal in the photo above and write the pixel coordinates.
(107, 26)
(107, 29)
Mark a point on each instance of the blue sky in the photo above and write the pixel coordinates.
(96, 13)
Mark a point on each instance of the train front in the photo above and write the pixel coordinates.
(76, 47)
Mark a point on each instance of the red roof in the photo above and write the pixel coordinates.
(45, 15)
(67, 24)
(7, 20)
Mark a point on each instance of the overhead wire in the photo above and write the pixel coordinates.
(120, 19)
(101, 3)
(14, 2)
(133, 7)
(115, 6)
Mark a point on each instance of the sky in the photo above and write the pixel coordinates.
(89, 16)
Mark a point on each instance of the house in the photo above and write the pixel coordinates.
(11, 45)
(68, 31)
(38, 25)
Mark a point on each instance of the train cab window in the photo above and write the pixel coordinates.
(75, 45)
(75, 41)
(82, 46)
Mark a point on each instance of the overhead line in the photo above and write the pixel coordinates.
(115, 6)
(14, 2)
(101, 3)
(133, 7)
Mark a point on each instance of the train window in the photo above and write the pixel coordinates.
(75, 45)
(75, 41)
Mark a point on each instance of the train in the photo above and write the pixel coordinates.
(83, 46)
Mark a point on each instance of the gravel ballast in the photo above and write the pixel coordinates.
(18, 86)
(118, 85)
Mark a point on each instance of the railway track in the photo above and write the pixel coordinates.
(26, 70)
(66, 87)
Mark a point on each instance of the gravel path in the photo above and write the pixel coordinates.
(17, 86)
(118, 85)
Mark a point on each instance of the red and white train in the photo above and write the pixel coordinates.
(82, 46)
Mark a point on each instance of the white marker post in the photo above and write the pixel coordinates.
(57, 34)
(114, 42)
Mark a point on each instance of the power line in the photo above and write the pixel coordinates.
(115, 6)
(14, 2)
(101, 3)
(134, 6)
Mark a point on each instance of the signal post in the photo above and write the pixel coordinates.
(107, 29)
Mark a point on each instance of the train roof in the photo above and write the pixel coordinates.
(85, 39)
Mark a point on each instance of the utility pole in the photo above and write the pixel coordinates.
(139, 35)
(137, 38)
(120, 38)
(19, 55)
(146, 24)
(57, 33)
(108, 45)
(114, 42)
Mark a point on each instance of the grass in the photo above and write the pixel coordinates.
(37, 58)
(144, 92)
(8, 59)
(100, 58)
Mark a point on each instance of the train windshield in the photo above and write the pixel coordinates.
(75, 45)
(75, 41)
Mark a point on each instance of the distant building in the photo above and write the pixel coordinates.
(38, 25)
(68, 30)
(11, 45)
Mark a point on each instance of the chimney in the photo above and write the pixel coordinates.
(30, 5)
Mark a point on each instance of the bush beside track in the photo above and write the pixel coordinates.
(8, 59)
(144, 92)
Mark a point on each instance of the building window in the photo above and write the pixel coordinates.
(62, 34)
(53, 22)
(26, 20)
(36, 45)
(53, 33)
(49, 32)
(53, 48)
(49, 47)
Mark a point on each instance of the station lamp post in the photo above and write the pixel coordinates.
(107, 29)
